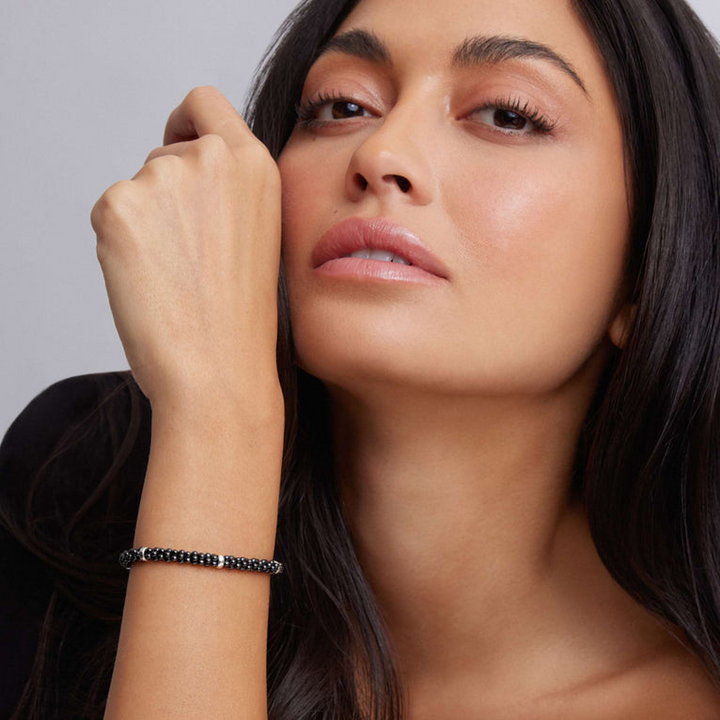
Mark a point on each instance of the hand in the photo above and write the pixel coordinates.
(190, 252)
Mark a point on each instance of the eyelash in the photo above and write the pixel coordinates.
(543, 125)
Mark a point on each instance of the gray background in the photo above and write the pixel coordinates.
(86, 89)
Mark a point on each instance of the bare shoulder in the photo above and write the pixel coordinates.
(672, 686)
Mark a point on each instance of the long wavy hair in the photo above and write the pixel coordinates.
(646, 465)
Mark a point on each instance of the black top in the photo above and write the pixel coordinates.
(71, 471)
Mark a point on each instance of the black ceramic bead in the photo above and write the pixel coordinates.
(127, 557)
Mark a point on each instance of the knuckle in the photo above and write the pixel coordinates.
(257, 154)
(112, 206)
(212, 145)
(212, 153)
(158, 175)
(156, 152)
(260, 159)
(162, 165)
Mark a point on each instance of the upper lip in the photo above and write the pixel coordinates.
(356, 233)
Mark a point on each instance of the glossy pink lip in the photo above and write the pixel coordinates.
(357, 233)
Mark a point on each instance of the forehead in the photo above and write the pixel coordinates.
(426, 34)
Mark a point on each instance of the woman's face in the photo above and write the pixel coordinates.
(506, 168)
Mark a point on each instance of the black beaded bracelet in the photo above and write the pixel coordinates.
(128, 557)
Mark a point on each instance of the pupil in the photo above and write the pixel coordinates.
(508, 118)
(349, 106)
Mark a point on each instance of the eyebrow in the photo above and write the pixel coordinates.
(471, 52)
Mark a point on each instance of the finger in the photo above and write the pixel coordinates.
(206, 110)
(178, 148)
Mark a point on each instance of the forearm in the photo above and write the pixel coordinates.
(193, 640)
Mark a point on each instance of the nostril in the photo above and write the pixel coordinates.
(403, 182)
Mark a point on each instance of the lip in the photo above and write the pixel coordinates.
(356, 233)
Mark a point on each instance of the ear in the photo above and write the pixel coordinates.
(622, 324)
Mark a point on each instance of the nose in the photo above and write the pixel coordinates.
(390, 161)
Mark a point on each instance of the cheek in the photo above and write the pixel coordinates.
(312, 192)
(544, 246)
(297, 191)
(310, 199)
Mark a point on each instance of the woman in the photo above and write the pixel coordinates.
(494, 495)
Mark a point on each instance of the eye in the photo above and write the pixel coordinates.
(511, 117)
(324, 108)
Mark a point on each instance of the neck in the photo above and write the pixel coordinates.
(459, 512)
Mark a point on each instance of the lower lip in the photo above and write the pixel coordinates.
(354, 268)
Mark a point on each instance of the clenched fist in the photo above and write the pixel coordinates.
(190, 252)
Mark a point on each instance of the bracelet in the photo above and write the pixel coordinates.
(143, 554)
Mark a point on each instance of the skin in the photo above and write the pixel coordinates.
(457, 407)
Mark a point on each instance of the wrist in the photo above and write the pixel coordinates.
(260, 407)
